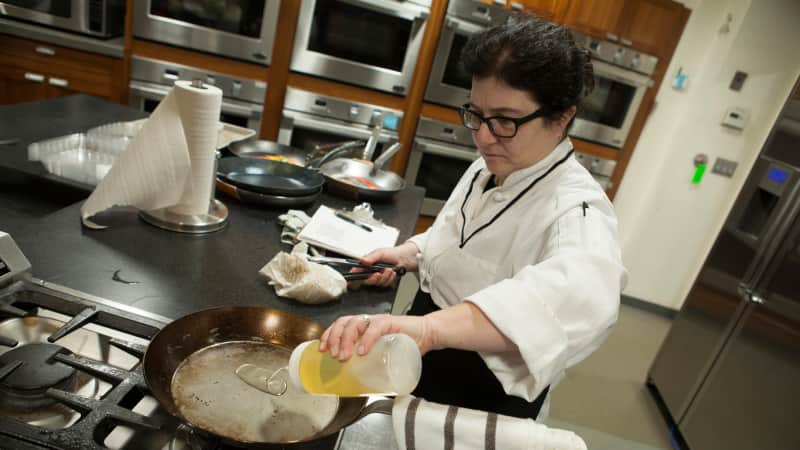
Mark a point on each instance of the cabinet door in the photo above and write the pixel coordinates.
(650, 25)
(18, 85)
(552, 10)
(600, 18)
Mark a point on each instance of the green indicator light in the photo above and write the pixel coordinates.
(699, 171)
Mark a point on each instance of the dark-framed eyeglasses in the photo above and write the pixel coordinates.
(499, 126)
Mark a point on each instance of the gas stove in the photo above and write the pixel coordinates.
(71, 375)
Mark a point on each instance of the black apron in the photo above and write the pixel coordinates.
(461, 378)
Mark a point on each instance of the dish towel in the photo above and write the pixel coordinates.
(423, 425)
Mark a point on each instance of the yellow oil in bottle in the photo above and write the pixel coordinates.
(320, 373)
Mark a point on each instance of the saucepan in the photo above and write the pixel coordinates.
(190, 366)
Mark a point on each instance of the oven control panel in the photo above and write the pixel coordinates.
(12, 261)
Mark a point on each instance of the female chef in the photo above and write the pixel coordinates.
(520, 274)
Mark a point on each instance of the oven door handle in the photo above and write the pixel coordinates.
(605, 70)
(348, 131)
(403, 11)
(434, 148)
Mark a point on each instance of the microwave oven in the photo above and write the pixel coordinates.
(98, 18)
(244, 29)
(369, 43)
(449, 84)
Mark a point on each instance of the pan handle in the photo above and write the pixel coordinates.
(335, 152)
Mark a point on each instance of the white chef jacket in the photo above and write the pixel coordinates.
(548, 272)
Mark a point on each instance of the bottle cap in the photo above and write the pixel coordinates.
(294, 365)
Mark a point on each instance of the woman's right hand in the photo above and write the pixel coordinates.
(357, 334)
(404, 256)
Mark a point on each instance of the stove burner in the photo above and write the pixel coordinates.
(26, 386)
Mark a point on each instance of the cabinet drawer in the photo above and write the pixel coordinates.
(64, 68)
(49, 53)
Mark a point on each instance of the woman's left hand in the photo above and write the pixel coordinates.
(363, 330)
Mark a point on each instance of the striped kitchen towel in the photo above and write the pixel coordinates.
(424, 425)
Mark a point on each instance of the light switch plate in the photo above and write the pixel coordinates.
(724, 167)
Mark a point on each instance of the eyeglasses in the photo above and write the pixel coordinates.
(499, 126)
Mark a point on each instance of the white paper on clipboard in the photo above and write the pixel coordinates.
(327, 231)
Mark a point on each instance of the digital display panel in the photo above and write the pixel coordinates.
(778, 175)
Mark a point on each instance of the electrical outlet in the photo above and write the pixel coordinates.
(724, 167)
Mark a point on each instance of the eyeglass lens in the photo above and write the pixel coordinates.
(497, 125)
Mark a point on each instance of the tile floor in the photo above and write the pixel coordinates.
(604, 399)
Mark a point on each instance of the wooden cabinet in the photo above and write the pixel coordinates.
(646, 25)
(600, 18)
(552, 10)
(31, 70)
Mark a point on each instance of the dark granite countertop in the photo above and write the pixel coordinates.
(175, 273)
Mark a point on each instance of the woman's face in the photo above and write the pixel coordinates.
(534, 139)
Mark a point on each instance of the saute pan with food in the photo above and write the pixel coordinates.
(190, 367)
(284, 153)
(363, 180)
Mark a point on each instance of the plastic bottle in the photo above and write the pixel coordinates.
(392, 367)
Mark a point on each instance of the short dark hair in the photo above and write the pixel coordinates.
(533, 55)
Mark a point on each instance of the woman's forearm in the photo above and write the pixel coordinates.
(466, 327)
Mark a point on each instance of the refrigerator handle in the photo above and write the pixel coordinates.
(748, 295)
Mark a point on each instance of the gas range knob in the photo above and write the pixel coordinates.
(636, 61)
(594, 45)
(354, 110)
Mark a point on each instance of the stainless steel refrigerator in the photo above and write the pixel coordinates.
(728, 371)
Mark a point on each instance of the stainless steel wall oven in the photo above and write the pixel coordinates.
(98, 18)
(621, 80)
(442, 152)
(370, 43)
(241, 29)
(311, 120)
(151, 81)
(449, 84)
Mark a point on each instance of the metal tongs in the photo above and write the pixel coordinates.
(344, 262)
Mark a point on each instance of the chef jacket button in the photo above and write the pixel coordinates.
(498, 197)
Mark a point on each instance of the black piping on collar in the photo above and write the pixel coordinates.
(509, 205)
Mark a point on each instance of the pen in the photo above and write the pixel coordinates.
(347, 219)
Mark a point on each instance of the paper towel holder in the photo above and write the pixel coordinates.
(213, 220)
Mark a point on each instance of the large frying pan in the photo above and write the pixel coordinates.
(269, 177)
(190, 368)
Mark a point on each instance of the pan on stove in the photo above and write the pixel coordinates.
(190, 366)
(269, 177)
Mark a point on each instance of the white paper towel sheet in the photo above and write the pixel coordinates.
(170, 162)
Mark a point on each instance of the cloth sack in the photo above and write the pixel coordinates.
(423, 425)
(295, 277)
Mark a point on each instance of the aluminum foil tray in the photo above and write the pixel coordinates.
(87, 157)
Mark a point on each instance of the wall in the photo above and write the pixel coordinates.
(668, 224)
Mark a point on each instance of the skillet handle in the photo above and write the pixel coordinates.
(382, 406)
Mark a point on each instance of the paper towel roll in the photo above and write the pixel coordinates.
(170, 162)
